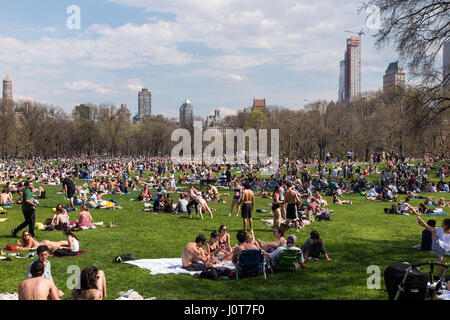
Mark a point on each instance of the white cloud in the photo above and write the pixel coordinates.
(89, 86)
(134, 85)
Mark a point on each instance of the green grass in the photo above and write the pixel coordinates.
(361, 235)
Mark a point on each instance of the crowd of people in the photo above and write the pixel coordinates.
(294, 194)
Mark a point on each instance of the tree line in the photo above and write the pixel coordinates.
(397, 123)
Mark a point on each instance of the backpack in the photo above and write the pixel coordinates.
(210, 273)
(123, 257)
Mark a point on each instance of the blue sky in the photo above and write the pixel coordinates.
(217, 53)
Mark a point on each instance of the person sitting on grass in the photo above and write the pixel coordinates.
(224, 239)
(182, 203)
(242, 238)
(84, 220)
(43, 252)
(193, 253)
(5, 197)
(406, 208)
(336, 200)
(214, 249)
(314, 246)
(37, 287)
(373, 194)
(92, 285)
(440, 237)
(427, 238)
(271, 246)
(168, 204)
(60, 218)
(320, 199)
(290, 244)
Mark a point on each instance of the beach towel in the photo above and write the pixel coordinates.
(11, 248)
(438, 213)
(169, 265)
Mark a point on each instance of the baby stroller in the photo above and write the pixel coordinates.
(407, 282)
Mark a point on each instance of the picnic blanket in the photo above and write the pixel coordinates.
(436, 213)
(9, 296)
(169, 265)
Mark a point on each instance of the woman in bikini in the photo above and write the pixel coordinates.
(276, 207)
(237, 194)
(28, 242)
(225, 243)
(213, 248)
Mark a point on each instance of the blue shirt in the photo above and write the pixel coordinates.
(47, 271)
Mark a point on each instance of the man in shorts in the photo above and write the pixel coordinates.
(247, 203)
(193, 253)
(291, 198)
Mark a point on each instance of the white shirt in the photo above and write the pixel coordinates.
(443, 239)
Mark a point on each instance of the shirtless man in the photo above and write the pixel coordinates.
(247, 203)
(291, 199)
(243, 245)
(193, 252)
(5, 198)
(203, 207)
(37, 287)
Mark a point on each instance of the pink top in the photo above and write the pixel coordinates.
(84, 219)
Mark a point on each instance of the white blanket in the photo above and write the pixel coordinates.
(169, 265)
(445, 295)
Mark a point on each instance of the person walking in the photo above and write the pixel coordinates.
(28, 209)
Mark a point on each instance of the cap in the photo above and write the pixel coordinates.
(292, 239)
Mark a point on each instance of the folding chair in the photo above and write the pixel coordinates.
(288, 260)
(251, 263)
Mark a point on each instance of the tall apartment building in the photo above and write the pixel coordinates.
(341, 93)
(7, 88)
(186, 114)
(144, 103)
(352, 79)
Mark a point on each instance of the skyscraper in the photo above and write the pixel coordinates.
(446, 64)
(341, 94)
(144, 103)
(7, 88)
(186, 114)
(352, 68)
(394, 76)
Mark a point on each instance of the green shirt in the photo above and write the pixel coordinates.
(27, 195)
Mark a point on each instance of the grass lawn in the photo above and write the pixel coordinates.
(361, 235)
